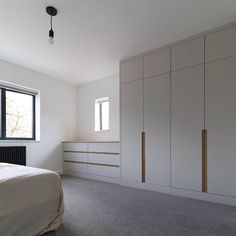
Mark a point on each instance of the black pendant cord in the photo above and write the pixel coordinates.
(51, 22)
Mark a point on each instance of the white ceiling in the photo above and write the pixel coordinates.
(91, 36)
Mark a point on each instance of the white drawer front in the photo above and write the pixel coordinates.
(74, 156)
(75, 167)
(79, 147)
(104, 159)
(104, 147)
(104, 171)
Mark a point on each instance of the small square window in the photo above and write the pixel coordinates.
(102, 114)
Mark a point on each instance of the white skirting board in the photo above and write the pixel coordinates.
(162, 189)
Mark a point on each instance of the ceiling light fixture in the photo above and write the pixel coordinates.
(52, 12)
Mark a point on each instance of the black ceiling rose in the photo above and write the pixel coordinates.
(52, 11)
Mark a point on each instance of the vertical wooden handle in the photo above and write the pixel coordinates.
(204, 160)
(143, 157)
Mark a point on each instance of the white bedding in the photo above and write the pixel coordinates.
(31, 200)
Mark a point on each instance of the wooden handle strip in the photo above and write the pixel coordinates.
(204, 160)
(143, 157)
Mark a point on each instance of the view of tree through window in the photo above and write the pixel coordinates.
(19, 115)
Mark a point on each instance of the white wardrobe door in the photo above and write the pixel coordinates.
(221, 44)
(157, 129)
(131, 70)
(187, 54)
(131, 129)
(157, 63)
(221, 126)
(187, 122)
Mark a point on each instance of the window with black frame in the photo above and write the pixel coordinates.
(17, 113)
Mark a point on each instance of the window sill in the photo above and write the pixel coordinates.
(107, 130)
(19, 141)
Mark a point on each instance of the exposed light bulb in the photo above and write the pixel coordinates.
(51, 40)
(51, 36)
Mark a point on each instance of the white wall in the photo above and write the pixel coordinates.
(58, 115)
(87, 94)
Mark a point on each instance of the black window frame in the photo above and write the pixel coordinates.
(3, 115)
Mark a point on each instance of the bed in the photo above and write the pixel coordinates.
(31, 200)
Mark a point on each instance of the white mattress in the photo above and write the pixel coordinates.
(31, 200)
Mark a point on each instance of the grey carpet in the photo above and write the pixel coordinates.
(103, 209)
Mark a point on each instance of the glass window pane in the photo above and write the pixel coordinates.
(19, 115)
(105, 115)
(97, 117)
(0, 113)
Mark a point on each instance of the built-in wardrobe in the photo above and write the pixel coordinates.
(178, 115)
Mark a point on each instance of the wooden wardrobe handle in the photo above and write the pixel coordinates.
(143, 157)
(204, 160)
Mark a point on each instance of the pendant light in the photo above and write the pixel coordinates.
(52, 12)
